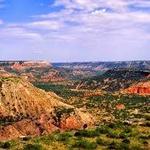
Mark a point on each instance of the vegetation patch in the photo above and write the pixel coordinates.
(85, 144)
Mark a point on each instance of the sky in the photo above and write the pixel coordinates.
(75, 30)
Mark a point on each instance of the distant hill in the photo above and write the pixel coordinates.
(113, 80)
(68, 73)
(35, 71)
(102, 66)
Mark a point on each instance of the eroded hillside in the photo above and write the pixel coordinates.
(26, 110)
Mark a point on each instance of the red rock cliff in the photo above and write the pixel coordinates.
(142, 88)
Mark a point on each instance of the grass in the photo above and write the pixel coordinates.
(63, 137)
(110, 136)
(33, 147)
(84, 144)
(86, 133)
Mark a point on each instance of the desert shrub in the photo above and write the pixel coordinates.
(121, 114)
(33, 147)
(87, 133)
(128, 130)
(27, 138)
(59, 112)
(147, 124)
(63, 111)
(5, 145)
(112, 125)
(102, 129)
(113, 145)
(136, 147)
(125, 134)
(123, 146)
(145, 142)
(113, 134)
(44, 139)
(115, 125)
(85, 144)
(100, 141)
(63, 137)
(127, 141)
(147, 117)
(144, 137)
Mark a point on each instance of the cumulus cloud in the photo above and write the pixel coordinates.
(98, 16)
(18, 32)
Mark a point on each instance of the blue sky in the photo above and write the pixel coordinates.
(75, 30)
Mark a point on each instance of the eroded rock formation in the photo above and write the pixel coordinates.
(142, 88)
(26, 110)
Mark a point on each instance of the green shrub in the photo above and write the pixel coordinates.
(126, 141)
(44, 139)
(85, 144)
(145, 142)
(113, 145)
(100, 141)
(144, 137)
(116, 125)
(124, 146)
(63, 137)
(136, 147)
(33, 147)
(124, 135)
(103, 129)
(5, 145)
(147, 124)
(113, 134)
(27, 138)
(147, 117)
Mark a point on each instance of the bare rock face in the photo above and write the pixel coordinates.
(120, 106)
(142, 88)
(30, 64)
(71, 123)
(26, 127)
(26, 110)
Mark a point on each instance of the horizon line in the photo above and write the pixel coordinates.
(84, 61)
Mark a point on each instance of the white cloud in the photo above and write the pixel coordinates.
(98, 25)
(81, 16)
(46, 24)
(18, 32)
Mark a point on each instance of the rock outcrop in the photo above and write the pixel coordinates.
(142, 88)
